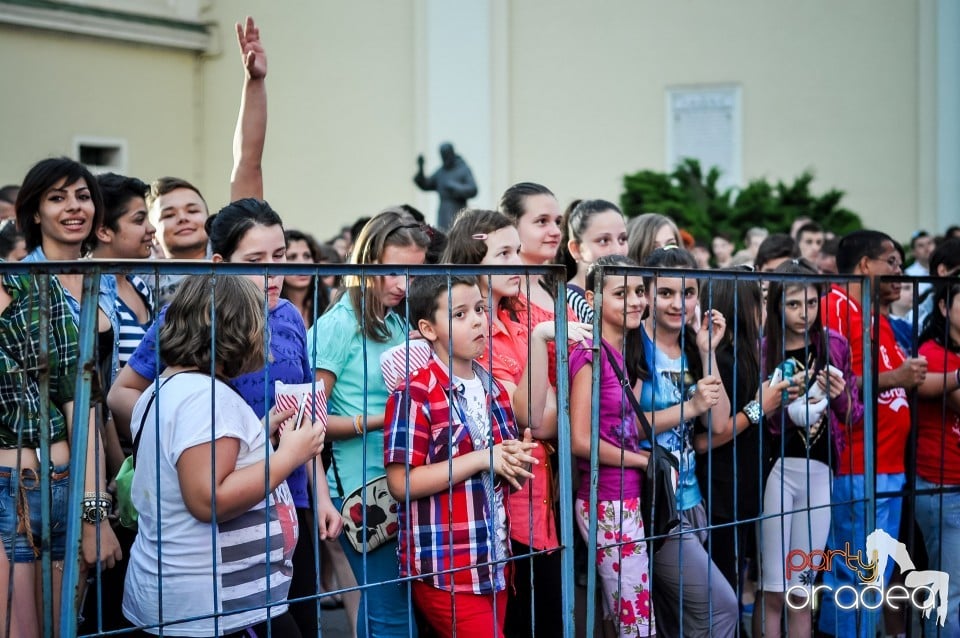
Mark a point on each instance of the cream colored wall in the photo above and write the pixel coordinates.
(341, 140)
(826, 85)
(57, 86)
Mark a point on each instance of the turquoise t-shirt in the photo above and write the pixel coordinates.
(670, 384)
(335, 344)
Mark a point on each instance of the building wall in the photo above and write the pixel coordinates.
(575, 97)
(827, 86)
(57, 86)
(340, 140)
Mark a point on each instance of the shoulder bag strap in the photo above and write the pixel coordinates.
(641, 417)
(146, 411)
(336, 474)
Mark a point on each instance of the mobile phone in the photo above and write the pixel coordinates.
(300, 410)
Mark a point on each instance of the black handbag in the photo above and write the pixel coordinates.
(658, 494)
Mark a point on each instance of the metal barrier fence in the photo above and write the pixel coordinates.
(577, 606)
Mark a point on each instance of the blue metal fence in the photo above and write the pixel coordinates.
(584, 623)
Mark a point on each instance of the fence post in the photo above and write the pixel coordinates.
(78, 456)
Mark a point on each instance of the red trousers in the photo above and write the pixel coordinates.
(474, 616)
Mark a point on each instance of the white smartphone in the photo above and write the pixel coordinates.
(300, 410)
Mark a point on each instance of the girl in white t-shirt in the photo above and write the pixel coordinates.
(217, 525)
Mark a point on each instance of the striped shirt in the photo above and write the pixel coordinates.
(577, 302)
(131, 330)
(421, 429)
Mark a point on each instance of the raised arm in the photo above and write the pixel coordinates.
(246, 180)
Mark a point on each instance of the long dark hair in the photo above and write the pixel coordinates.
(576, 220)
(678, 258)
(321, 292)
(937, 326)
(228, 227)
(513, 205)
(741, 299)
(773, 330)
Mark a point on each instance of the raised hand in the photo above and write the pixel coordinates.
(252, 54)
(712, 329)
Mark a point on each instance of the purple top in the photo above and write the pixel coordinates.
(288, 363)
(618, 426)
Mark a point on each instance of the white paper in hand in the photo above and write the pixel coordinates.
(397, 368)
(287, 396)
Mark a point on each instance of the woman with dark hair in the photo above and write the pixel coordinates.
(678, 368)
(534, 211)
(592, 228)
(807, 437)
(250, 231)
(345, 346)
(126, 233)
(302, 290)
(328, 254)
(58, 208)
(736, 458)
(13, 245)
(938, 447)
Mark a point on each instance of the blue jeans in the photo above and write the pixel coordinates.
(940, 522)
(385, 610)
(20, 546)
(848, 524)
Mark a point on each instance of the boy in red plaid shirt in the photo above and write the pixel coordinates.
(450, 444)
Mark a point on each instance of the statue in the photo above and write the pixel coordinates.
(453, 182)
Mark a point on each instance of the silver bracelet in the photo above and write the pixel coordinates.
(753, 412)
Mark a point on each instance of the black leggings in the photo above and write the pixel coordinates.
(547, 581)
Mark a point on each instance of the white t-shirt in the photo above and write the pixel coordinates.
(475, 398)
(235, 562)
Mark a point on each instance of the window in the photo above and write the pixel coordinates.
(704, 123)
(101, 155)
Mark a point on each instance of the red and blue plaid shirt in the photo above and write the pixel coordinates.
(454, 529)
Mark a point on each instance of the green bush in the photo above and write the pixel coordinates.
(698, 205)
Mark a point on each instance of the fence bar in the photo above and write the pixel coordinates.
(78, 450)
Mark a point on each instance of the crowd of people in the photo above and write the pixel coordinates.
(755, 385)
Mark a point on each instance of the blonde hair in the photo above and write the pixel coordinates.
(236, 305)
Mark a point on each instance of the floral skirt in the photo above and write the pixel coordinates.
(623, 567)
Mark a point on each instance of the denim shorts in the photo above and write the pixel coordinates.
(22, 546)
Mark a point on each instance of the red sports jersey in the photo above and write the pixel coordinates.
(842, 313)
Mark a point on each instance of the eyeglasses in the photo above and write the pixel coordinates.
(894, 262)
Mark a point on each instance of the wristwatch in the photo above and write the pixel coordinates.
(753, 412)
(95, 510)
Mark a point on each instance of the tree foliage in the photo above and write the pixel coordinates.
(695, 201)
